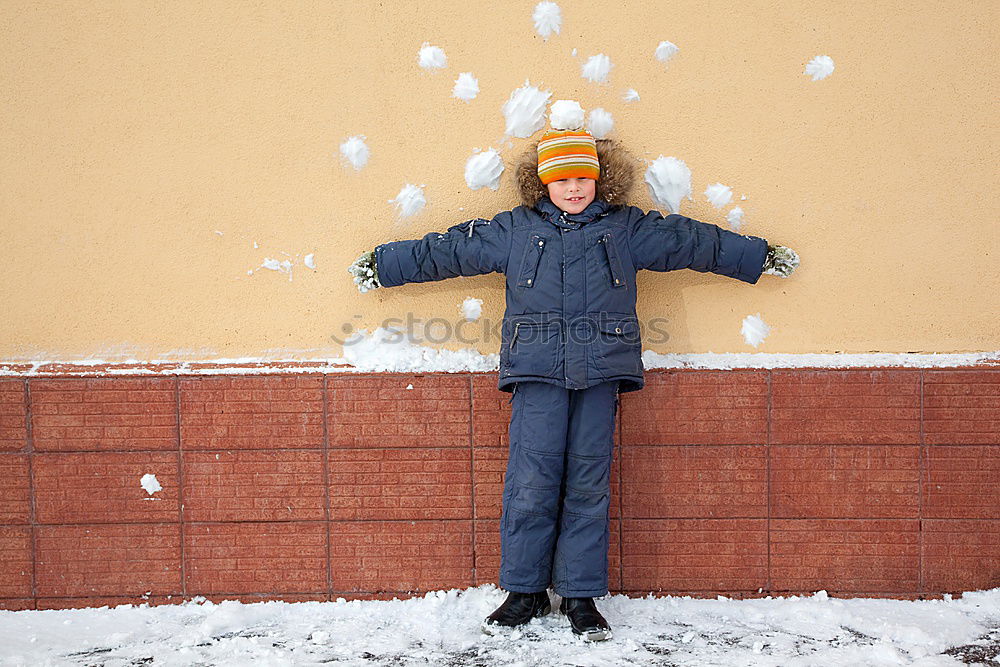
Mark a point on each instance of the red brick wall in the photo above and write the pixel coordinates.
(310, 487)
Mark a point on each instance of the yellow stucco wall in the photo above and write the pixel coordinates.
(133, 132)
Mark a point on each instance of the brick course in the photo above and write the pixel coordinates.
(104, 487)
(106, 414)
(108, 560)
(13, 416)
(286, 557)
(253, 485)
(15, 489)
(251, 412)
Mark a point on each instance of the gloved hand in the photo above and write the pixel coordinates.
(365, 271)
(780, 261)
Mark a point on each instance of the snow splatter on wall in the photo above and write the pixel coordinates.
(754, 330)
(355, 151)
(524, 111)
(669, 181)
(410, 200)
(718, 195)
(432, 57)
(630, 95)
(284, 266)
(472, 308)
(483, 169)
(547, 19)
(735, 218)
(597, 68)
(819, 67)
(150, 484)
(466, 87)
(665, 51)
(566, 115)
(600, 123)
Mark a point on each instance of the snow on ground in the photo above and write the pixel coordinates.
(442, 628)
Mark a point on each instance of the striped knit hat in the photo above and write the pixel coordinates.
(567, 154)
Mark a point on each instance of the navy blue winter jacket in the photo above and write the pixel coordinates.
(571, 290)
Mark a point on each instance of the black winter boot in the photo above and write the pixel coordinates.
(517, 609)
(585, 619)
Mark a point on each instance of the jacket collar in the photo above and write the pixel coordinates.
(595, 209)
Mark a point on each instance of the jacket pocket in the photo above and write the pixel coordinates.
(530, 260)
(617, 348)
(614, 260)
(535, 349)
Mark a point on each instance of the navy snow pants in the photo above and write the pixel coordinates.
(554, 525)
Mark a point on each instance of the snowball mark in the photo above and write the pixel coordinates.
(600, 123)
(566, 115)
(355, 151)
(754, 330)
(665, 51)
(631, 95)
(410, 200)
(284, 266)
(668, 180)
(150, 484)
(735, 218)
(524, 111)
(596, 68)
(718, 195)
(483, 170)
(431, 57)
(310, 261)
(547, 18)
(819, 67)
(472, 308)
(466, 87)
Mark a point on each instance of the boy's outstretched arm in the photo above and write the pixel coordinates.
(467, 249)
(676, 242)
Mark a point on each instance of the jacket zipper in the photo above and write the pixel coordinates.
(513, 337)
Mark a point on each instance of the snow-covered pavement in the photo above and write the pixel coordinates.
(442, 628)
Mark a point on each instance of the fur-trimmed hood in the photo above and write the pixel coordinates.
(614, 185)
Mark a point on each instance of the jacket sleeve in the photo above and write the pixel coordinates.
(675, 242)
(467, 249)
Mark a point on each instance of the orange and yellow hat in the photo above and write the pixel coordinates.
(567, 154)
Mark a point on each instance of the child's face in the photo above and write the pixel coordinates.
(572, 194)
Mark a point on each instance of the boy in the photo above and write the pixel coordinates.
(569, 346)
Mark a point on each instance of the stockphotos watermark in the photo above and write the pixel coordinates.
(595, 327)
